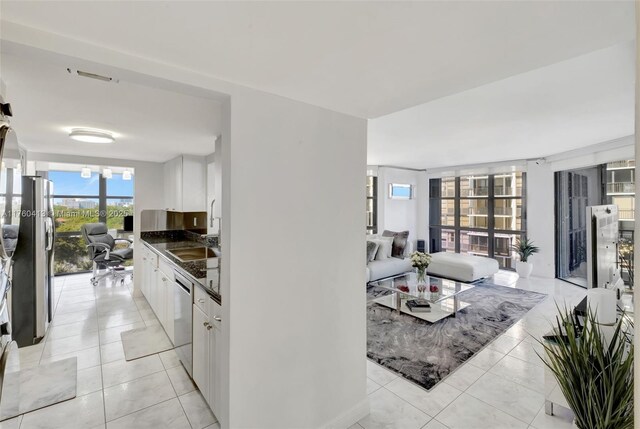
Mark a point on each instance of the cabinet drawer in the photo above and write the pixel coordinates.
(215, 313)
(166, 268)
(201, 299)
(151, 257)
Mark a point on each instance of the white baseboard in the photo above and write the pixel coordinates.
(349, 417)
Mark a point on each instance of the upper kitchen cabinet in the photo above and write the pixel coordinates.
(185, 184)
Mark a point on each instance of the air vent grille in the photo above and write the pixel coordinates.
(92, 75)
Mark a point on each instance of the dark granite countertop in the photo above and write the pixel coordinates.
(195, 270)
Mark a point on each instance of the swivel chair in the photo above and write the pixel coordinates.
(101, 250)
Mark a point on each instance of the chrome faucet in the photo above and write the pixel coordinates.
(211, 217)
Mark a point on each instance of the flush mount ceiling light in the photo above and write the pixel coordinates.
(126, 175)
(91, 136)
(85, 173)
(107, 173)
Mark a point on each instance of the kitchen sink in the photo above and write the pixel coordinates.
(186, 254)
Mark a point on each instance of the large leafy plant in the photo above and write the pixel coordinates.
(594, 372)
(525, 248)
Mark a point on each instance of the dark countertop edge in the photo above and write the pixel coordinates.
(217, 298)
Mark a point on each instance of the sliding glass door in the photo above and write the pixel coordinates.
(575, 191)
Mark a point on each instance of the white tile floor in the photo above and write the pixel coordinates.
(152, 392)
(501, 387)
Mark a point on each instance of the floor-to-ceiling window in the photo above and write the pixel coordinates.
(79, 200)
(11, 196)
(372, 205)
(478, 214)
(621, 191)
(612, 183)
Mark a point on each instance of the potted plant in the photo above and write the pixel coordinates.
(524, 248)
(594, 371)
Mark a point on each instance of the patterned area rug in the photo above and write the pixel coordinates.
(426, 353)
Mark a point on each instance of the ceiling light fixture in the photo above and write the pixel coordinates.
(91, 136)
(126, 175)
(107, 173)
(85, 173)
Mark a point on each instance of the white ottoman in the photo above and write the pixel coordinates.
(462, 267)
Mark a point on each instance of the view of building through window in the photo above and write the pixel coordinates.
(478, 214)
(621, 191)
(78, 201)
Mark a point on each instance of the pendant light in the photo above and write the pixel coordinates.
(126, 175)
(107, 173)
(85, 173)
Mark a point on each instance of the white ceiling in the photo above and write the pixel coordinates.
(565, 106)
(150, 124)
(363, 58)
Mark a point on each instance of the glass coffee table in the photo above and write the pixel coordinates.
(444, 303)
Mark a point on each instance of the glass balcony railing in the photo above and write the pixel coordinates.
(626, 214)
(621, 187)
(622, 164)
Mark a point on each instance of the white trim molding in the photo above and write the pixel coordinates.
(349, 417)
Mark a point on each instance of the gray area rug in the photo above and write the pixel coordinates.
(425, 353)
(143, 342)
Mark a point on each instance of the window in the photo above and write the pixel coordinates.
(10, 194)
(78, 201)
(478, 214)
(372, 205)
(621, 191)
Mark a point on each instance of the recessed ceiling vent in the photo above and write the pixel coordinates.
(92, 75)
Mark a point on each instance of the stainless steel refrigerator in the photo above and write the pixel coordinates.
(33, 279)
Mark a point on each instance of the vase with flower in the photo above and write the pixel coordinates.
(420, 261)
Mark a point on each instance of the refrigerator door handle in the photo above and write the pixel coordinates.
(49, 229)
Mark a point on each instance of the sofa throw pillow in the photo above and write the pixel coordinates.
(399, 242)
(387, 248)
(384, 249)
(372, 248)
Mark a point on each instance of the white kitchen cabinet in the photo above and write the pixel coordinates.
(164, 302)
(168, 327)
(207, 374)
(161, 298)
(157, 288)
(149, 264)
(215, 367)
(201, 351)
(185, 184)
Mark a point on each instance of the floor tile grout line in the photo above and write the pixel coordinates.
(141, 409)
(408, 403)
(177, 396)
(493, 406)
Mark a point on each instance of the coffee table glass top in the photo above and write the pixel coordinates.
(407, 284)
(444, 301)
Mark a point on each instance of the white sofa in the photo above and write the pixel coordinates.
(462, 267)
(380, 269)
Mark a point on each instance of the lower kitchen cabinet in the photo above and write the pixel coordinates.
(157, 288)
(206, 351)
(215, 366)
(201, 350)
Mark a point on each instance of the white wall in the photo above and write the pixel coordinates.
(402, 215)
(541, 217)
(147, 176)
(297, 297)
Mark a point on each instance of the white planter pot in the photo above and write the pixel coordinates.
(524, 269)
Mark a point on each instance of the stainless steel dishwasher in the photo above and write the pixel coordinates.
(183, 320)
